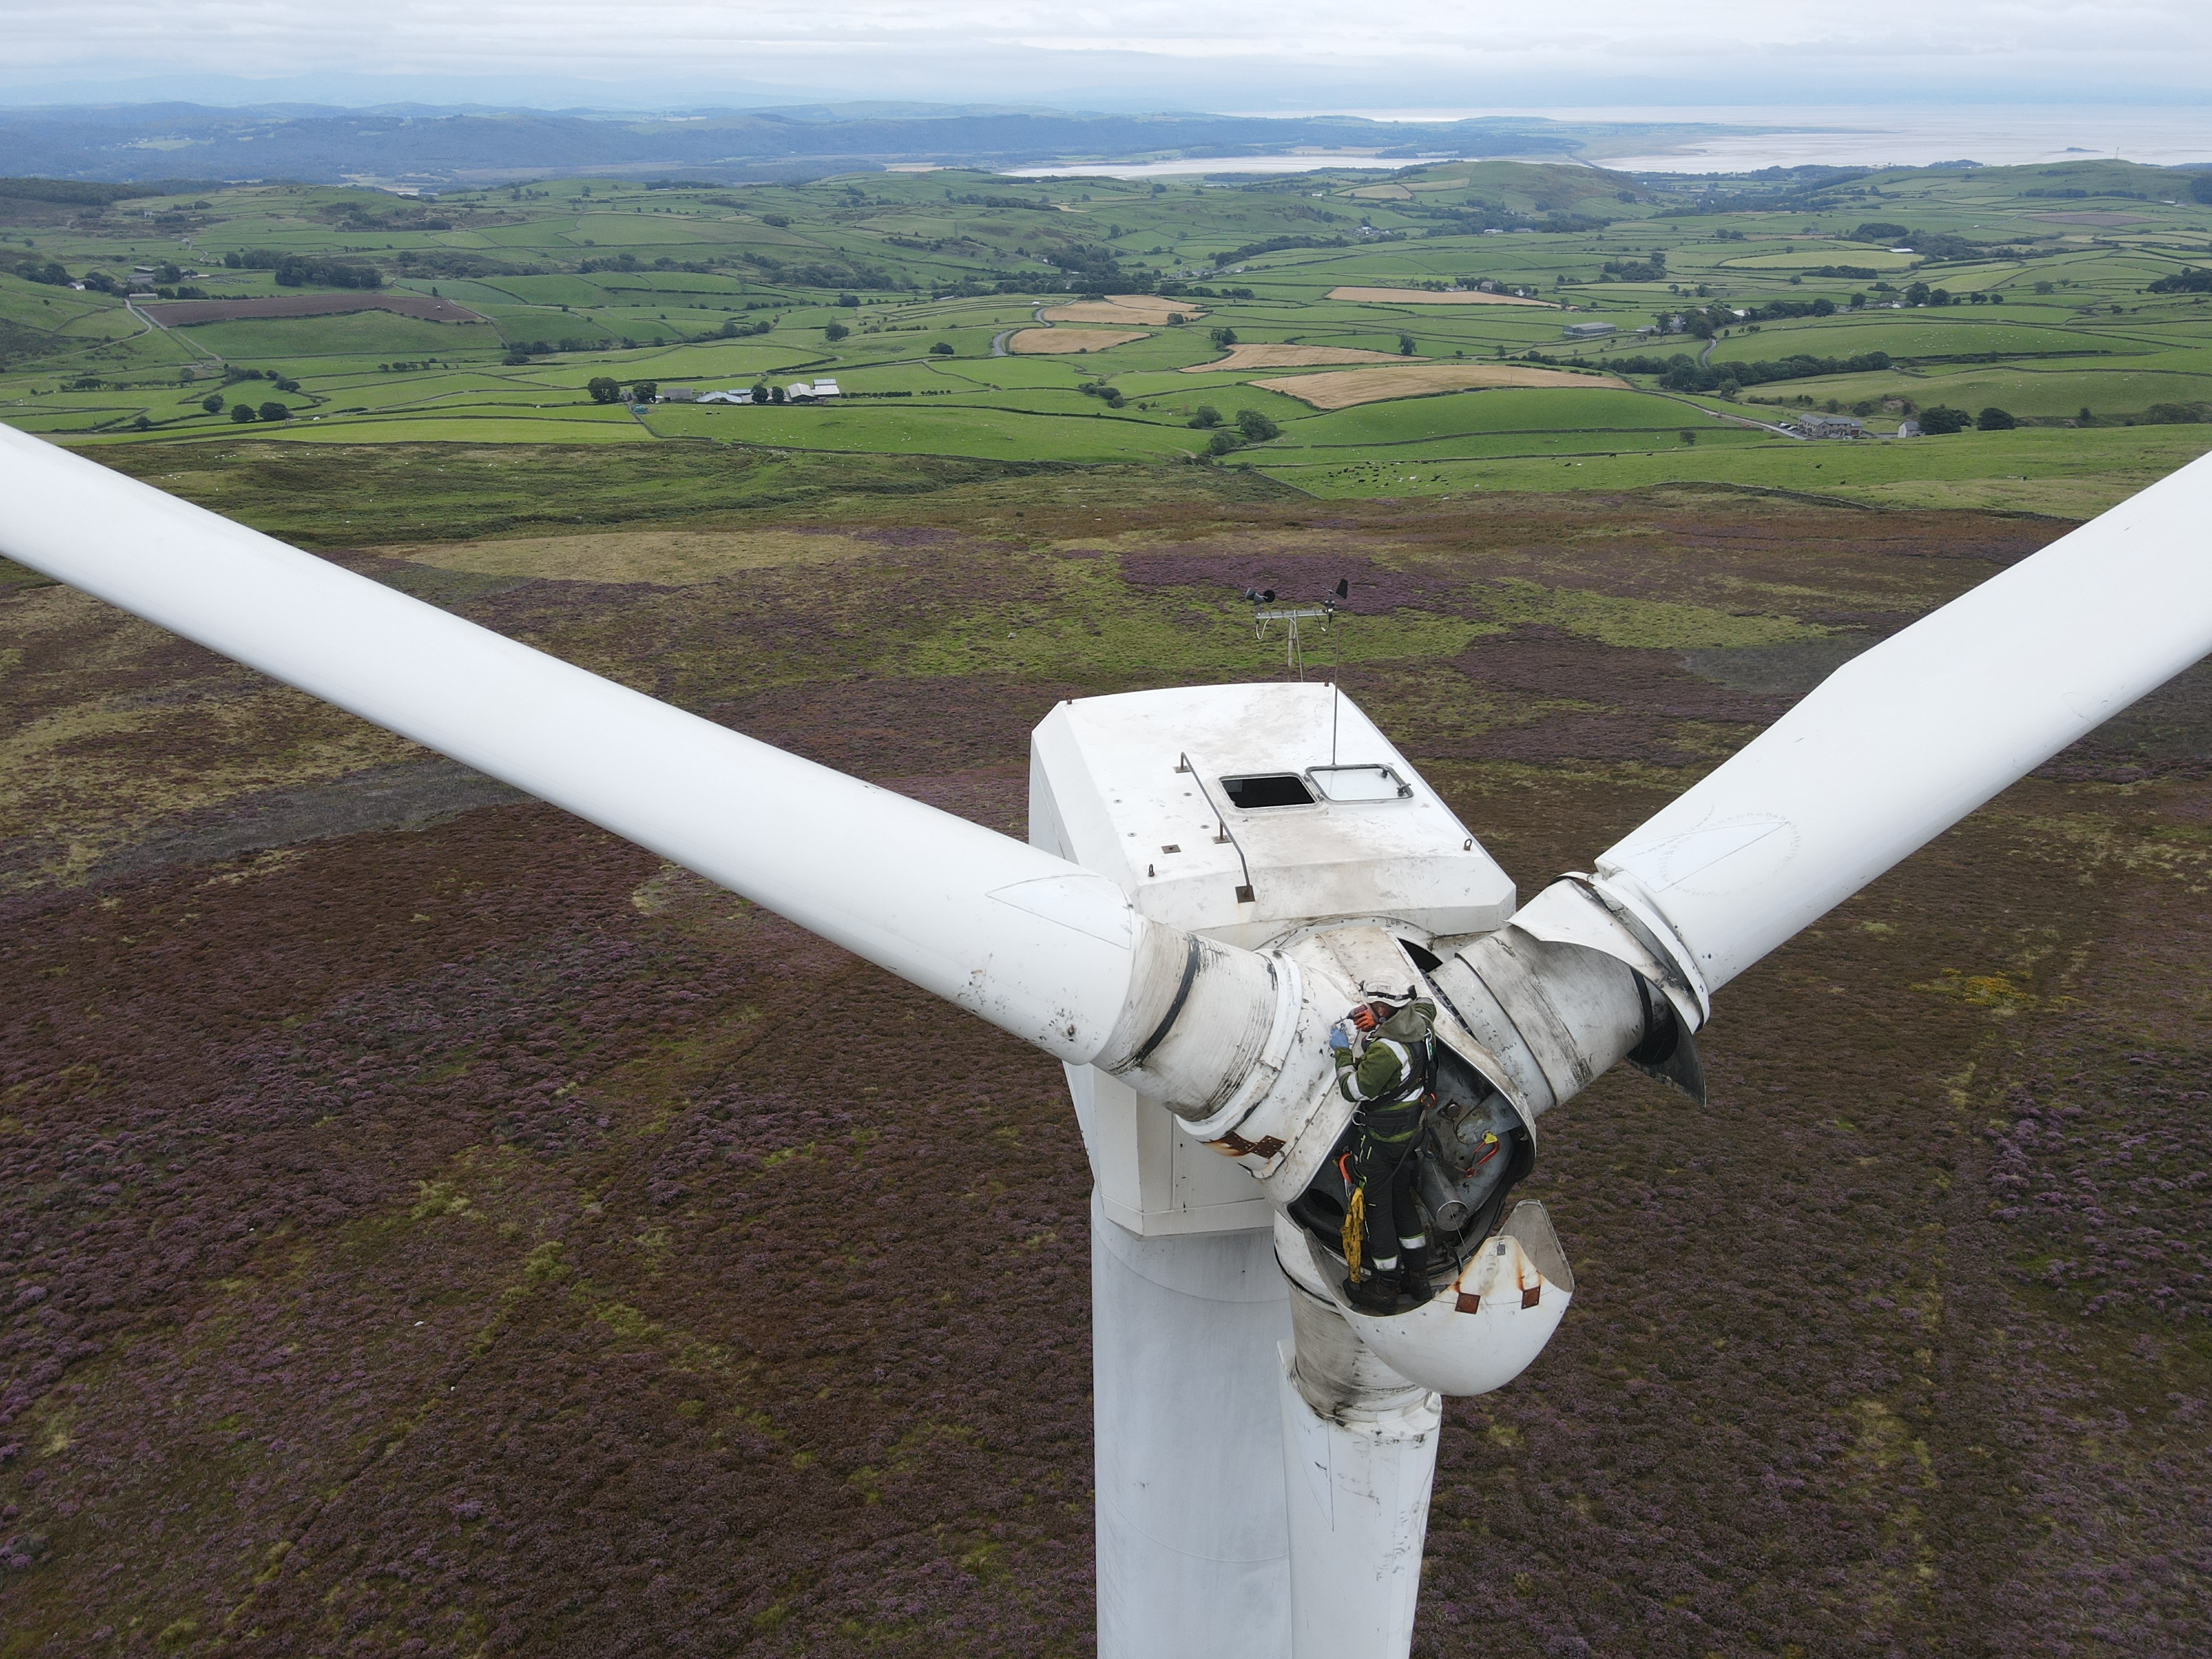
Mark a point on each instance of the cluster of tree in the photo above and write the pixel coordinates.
(1941, 420)
(732, 329)
(2188, 280)
(1169, 288)
(815, 274)
(242, 413)
(299, 270)
(32, 269)
(1033, 204)
(1881, 230)
(2200, 188)
(603, 389)
(451, 262)
(1090, 262)
(1236, 256)
(357, 215)
(1683, 372)
(1111, 396)
(1250, 427)
(1919, 294)
(1846, 273)
(1653, 270)
(2176, 414)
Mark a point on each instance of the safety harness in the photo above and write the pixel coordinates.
(1416, 1088)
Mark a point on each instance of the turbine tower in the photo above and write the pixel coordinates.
(1207, 887)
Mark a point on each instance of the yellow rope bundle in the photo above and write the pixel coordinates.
(1355, 1229)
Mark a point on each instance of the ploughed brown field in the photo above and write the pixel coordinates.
(429, 1224)
(1039, 342)
(183, 314)
(1373, 385)
(1146, 310)
(1264, 355)
(1424, 296)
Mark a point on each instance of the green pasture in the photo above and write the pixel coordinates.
(355, 334)
(2024, 391)
(78, 364)
(965, 432)
(2067, 474)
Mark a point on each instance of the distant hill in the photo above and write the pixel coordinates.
(430, 147)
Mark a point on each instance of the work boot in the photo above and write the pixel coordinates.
(1371, 1295)
(1414, 1276)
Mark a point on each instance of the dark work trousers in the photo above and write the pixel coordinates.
(1390, 1172)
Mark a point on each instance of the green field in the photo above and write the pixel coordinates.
(1729, 298)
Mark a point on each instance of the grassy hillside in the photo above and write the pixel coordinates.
(1736, 305)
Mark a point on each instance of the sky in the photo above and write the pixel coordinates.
(1244, 55)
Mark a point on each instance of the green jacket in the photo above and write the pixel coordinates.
(1390, 1076)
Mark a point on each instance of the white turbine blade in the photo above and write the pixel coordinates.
(1038, 946)
(1905, 740)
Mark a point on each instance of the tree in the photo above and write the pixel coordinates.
(604, 389)
(850, 301)
(1824, 306)
(273, 410)
(645, 392)
(1256, 428)
(1939, 419)
(760, 392)
(836, 331)
(1220, 443)
(1687, 436)
(942, 349)
(1206, 417)
(212, 402)
(1994, 419)
(1405, 345)
(1223, 336)
(242, 414)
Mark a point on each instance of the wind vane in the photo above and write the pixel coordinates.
(1294, 655)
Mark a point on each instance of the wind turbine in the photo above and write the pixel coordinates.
(1202, 897)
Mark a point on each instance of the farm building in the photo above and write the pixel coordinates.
(806, 390)
(1830, 426)
(679, 394)
(1587, 331)
(734, 395)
